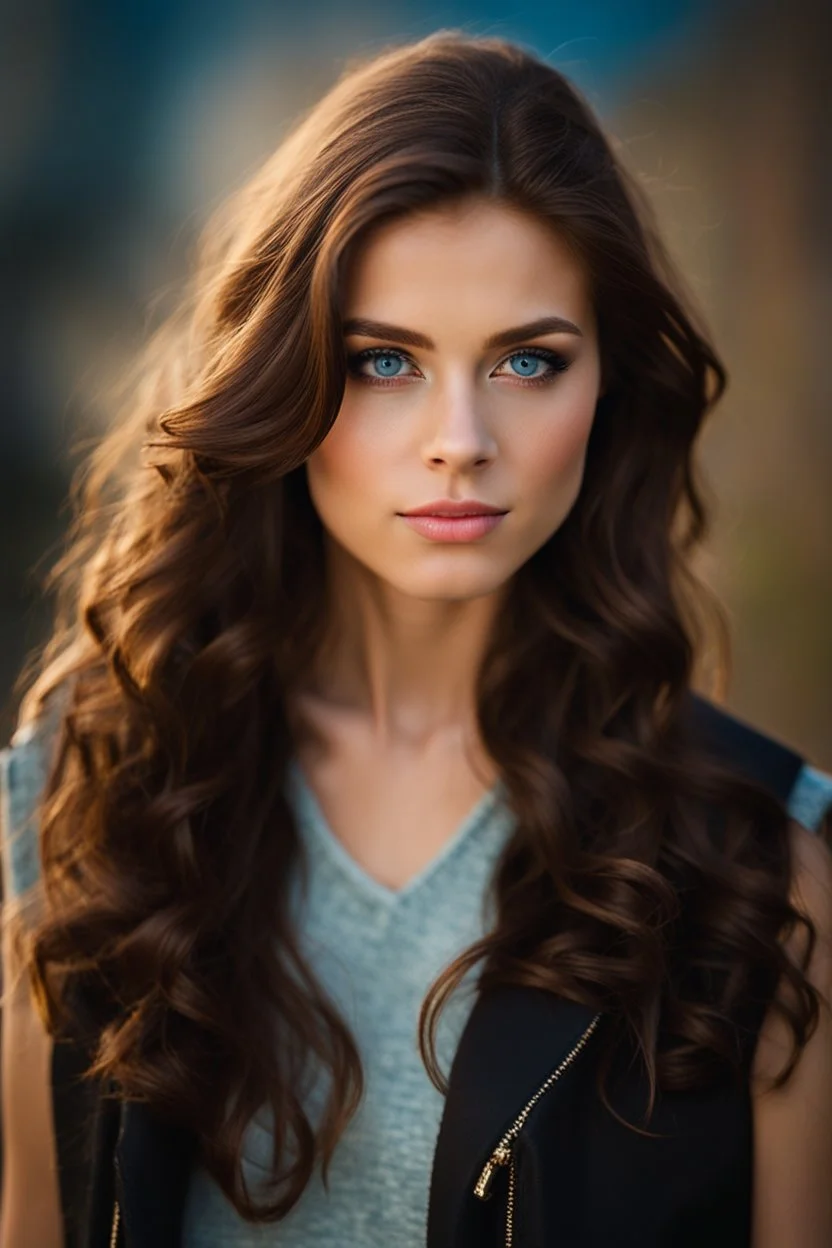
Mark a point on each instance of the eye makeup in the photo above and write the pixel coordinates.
(557, 362)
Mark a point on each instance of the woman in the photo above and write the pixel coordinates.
(365, 745)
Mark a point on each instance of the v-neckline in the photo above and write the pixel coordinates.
(315, 824)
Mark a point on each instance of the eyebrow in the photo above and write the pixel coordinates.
(505, 338)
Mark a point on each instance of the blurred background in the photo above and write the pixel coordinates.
(124, 123)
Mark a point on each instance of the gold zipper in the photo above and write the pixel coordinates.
(503, 1154)
(116, 1205)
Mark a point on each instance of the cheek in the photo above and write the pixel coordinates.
(340, 463)
(553, 455)
(347, 472)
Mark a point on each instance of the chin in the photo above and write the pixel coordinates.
(452, 586)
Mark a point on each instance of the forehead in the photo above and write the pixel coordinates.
(466, 255)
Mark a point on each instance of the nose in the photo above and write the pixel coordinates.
(458, 436)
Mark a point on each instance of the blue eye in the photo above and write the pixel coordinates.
(524, 364)
(388, 362)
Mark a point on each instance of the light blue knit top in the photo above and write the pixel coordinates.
(376, 951)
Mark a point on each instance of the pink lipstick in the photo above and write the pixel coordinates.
(449, 520)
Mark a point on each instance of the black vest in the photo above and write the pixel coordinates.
(526, 1156)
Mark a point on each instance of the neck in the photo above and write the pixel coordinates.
(406, 666)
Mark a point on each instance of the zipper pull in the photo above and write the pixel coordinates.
(500, 1157)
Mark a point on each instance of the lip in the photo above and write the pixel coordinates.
(454, 508)
(454, 528)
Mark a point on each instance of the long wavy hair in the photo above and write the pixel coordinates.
(189, 608)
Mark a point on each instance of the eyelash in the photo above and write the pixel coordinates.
(558, 362)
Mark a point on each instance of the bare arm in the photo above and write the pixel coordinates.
(793, 1125)
(30, 1211)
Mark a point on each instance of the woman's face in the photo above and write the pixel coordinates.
(435, 409)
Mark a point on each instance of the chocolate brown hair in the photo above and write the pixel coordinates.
(189, 606)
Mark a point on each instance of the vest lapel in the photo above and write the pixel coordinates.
(514, 1039)
(154, 1162)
